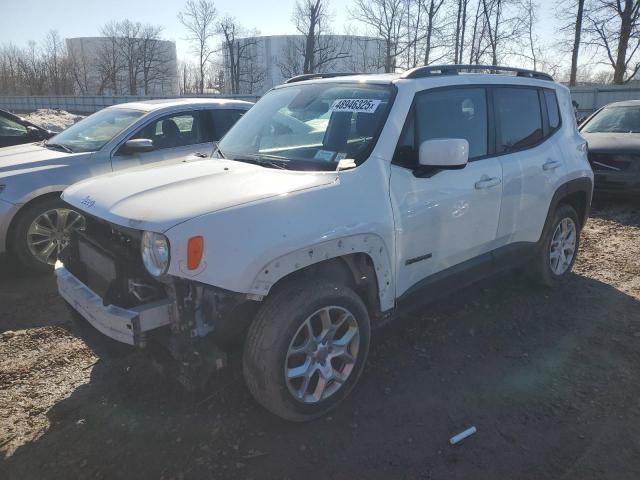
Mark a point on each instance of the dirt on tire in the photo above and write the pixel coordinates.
(549, 377)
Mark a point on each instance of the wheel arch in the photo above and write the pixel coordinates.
(362, 260)
(24, 207)
(577, 193)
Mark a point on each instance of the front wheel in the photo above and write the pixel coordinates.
(559, 248)
(306, 349)
(41, 231)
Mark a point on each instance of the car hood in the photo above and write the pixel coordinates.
(29, 155)
(612, 142)
(160, 198)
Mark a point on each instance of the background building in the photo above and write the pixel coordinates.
(266, 61)
(123, 66)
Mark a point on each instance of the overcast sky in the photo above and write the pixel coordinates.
(24, 20)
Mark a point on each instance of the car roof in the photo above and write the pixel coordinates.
(162, 103)
(471, 74)
(626, 103)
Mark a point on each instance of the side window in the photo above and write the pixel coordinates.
(518, 117)
(175, 130)
(456, 113)
(452, 113)
(9, 128)
(552, 109)
(223, 120)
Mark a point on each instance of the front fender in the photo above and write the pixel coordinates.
(369, 244)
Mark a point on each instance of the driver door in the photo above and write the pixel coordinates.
(447, 217)
(175, 137)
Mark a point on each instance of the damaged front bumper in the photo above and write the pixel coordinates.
(124, 325)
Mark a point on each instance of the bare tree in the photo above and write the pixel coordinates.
(109, 64)
(530, 18)
(56, 63)
(153, 54)
(188, 78)
(10, 79)
(199, 18)
(577, 29)
(433, 7)
(385, 19)
(503, 29)
(79, 68)
(241, 57)
(32, 69)
(308, 17)
(290, 62)
(318, 48)
(613, 27)
(460, 30)
(128, 40)
(229, 28)
(366, 55)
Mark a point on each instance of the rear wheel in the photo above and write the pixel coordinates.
(557, 254)
(41, 231)
(306, 349)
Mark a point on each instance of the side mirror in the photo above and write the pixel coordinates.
(444, 153)
(33, 132)
(137, 145)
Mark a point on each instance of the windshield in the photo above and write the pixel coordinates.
(615, 119)
(96, 130)
(311, 127)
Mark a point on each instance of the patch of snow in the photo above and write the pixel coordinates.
(52, 119)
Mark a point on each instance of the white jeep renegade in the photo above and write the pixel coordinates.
(334, 203)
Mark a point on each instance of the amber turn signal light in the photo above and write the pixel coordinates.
(195, 249)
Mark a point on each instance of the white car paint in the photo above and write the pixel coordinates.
(259, 222)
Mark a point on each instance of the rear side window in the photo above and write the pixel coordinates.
(552, 109)
(518, 118)
(452, 113)
(223, 120)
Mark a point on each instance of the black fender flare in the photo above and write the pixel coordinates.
(577, 185)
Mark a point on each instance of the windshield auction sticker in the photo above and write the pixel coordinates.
(362, 105)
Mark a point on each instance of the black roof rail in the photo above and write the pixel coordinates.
(313, 76)
(421, 72)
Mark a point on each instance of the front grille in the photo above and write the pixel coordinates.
(106, 258)
(613, 162)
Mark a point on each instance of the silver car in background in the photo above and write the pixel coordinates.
(35, 224)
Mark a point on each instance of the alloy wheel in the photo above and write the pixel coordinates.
(322, 354)
(563, 246)
(51, 231)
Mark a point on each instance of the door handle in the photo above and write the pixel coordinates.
(550, 165)
(486, 182)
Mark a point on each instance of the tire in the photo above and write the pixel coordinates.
(543, 267)
(282, 324)
(22, 237)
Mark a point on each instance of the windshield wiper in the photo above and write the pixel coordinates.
(219, 152)
(262, 160)
(59, 146)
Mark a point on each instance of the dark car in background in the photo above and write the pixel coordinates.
(16, 131)
(613, 136)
